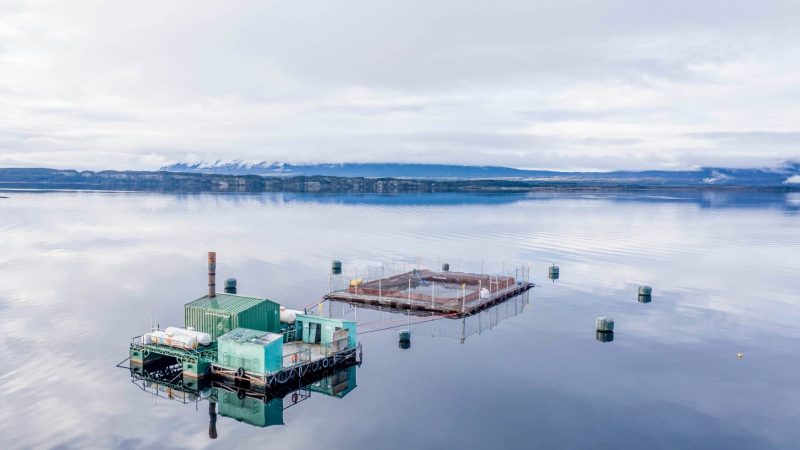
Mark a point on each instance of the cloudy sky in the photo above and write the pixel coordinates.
(534, 84)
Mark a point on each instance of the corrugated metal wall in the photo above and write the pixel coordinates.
(264, 316)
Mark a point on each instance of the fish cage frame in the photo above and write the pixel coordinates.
(408, 290)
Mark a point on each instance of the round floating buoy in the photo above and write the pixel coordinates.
(336, 267)
(645, 294)
(405, 339)
(740, 355)
(604, 336)
(605, 324)
(553, 272)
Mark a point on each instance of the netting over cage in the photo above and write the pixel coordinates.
(427, 286)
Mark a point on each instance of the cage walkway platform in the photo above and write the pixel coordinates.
(437, 292)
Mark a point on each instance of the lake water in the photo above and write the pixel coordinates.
(83, 272)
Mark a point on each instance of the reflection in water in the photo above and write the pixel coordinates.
(93, 269)
(259, 408)
(604, 336)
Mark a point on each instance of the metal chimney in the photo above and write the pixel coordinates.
(212, 274)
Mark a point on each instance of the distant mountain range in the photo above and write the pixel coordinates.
(394, 178)
(787, 174)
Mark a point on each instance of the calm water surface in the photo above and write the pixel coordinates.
(81, 273)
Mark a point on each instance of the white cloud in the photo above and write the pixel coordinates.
(794, 179)
(599, 85)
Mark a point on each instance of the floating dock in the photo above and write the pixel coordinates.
(248, 341)
(442, 292)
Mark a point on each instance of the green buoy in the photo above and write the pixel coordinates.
(405, 339)
(605, 324)
(645, 294)
(553, 272)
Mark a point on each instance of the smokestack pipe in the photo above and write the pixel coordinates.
(212, 274)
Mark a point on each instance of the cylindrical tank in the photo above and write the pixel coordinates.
(405, 336)
(607, 336)
(199, 336)
(336, 267)
(230, 286)
(289, 315)
(445, 267)
(184, 341)
(553, 272)
(645, 298)
(605, 324)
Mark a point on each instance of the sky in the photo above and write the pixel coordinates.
(569, 85)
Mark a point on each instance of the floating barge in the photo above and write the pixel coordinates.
(442, 292)
(245, 340)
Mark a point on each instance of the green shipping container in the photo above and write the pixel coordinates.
(224, 312)
(257, 352)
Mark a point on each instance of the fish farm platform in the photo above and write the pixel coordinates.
(437, 292)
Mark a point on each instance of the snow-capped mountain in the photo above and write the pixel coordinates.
(786, 174)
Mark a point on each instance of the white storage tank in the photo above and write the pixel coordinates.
(202, 338)
(289, 315)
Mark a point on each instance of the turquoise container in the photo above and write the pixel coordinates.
(257, 352)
